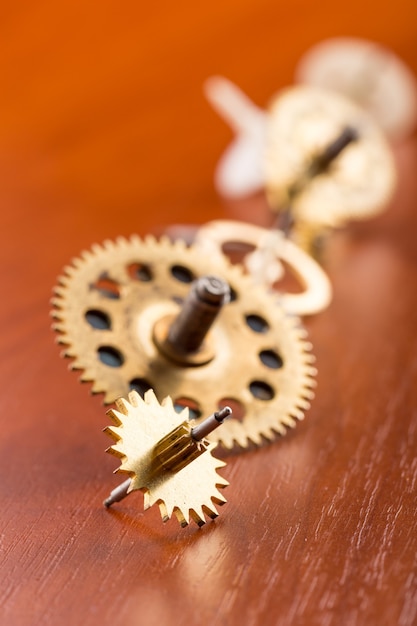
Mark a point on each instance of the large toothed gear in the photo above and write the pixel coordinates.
(108, 304)
(192, 491)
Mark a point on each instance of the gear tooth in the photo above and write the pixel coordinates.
(108, 395)
(256, 437)
(77, 262)
(135, 240)
(122, 405)
(62, 340)
(114, 451)
(75, 365)
(221, 483)
(113, 431)
(109, 245)
(124, 465)
(218, 498)
(146, 502)
(197, 516)
(150, 240)
(115, 416)
(289, 421)
(309, 380)
(122, 241)
(96, 249)
(308, 394)
(58, 327)
(303, 404)
(180, 244)
(150, 398)
(167, 403)
(309, 358)
(164, 240)
(228, 442)
(182, 516)
(297, 414)
(219, 463)
(57, 302)
(210, 510)
(134, 398)
(59, 290)
(87, 255)
(63, 280)
(164, 511)
(96, 387)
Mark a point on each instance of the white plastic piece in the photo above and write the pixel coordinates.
(239, 171)
(368, 73)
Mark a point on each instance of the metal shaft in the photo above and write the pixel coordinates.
(118, 494)
(211, 423)
(201, 307)
(323, 160)
(320, 163)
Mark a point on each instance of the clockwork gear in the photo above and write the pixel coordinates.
(264, 263)
(303, 123)
(174, 470)
(110, 305)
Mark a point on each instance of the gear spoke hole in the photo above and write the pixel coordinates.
(110, 356)
(233, 294)
(98, 319)
(141, 385)
(140, 271)
(182, 274)
(236, 406)
(261, 390)
(193, 407)
(257, 323)
(271, 359)
(237, 250)
(107, 287)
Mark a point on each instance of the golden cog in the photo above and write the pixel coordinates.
(303, 121)
(108, 303)
(190, 492)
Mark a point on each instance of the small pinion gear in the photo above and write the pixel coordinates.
(144, 433)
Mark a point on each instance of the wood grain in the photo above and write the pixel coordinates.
(104, 131)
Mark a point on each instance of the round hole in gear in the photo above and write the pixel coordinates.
(98, 319)
(110, 356)
(107, 287)
(141, 385)
(193, 407)
(271, 359)
(261, 390)
(238, 410)
(233, 294)
(182, 274)
(140, 271)
(257, 323)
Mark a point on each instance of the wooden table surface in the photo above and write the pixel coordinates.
(104, 131)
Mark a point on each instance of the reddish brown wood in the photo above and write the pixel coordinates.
(104, 131)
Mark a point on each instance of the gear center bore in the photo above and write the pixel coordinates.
(184, 338)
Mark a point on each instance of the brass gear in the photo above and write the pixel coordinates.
(304, 120)
(262, 364)
(140, 425)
